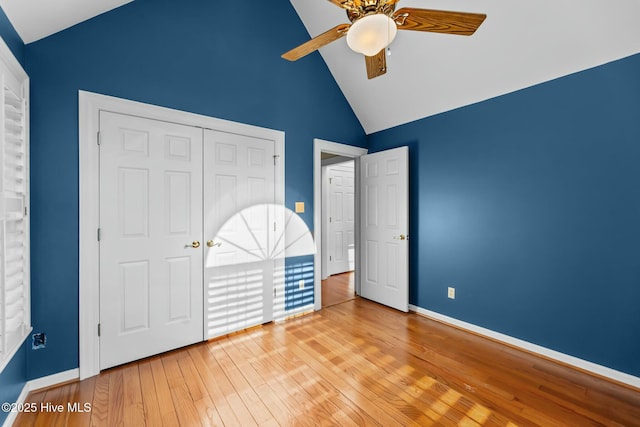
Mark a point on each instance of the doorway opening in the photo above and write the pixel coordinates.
(338, 229)
(336, 222)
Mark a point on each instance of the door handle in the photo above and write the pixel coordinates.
(211, 244)
(401, 237)
(195, 245)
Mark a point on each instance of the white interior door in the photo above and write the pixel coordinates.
(340, 227)
(239, 231)
(150, 213)
(385, 227)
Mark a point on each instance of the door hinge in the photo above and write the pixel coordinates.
(99, 234)
(329, 257)
(274, 292)
(274, 226)
(25, 211)
(330, 179)
(330, 220)
(98, 329)
(275, 156)
(98, 138)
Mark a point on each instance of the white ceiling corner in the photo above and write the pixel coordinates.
(520, 44)
(36, 19)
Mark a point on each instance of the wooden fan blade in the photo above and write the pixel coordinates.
(438, 21)
(317, 42)
(376, 65)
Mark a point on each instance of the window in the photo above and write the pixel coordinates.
(14, 199)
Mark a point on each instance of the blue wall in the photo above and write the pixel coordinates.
(529, 205)
(220, 59)
(11, 38)
(12, 379)
(14, 375)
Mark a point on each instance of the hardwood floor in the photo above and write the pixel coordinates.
(338, 288)
(355, 363)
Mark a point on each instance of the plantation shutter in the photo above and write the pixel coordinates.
(14, 197)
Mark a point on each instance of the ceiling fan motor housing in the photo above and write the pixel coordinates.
(370, 7)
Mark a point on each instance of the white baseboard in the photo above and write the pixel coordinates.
(296, 311)
(11, 418)
(581, 364)
(38, 383)
(55, 379)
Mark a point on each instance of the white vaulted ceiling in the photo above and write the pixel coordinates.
(520, 44)
(36, 19)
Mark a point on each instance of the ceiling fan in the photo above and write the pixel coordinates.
(374, 24)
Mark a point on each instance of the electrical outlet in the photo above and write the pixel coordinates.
(301, 284)
(39, 340)
(451, 292)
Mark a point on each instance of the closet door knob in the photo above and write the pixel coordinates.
(211, 244)
(195, 244)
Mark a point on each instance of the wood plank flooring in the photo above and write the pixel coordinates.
(355, 363)
(338, 288)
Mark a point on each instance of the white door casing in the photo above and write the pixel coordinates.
(341, 217)
(321, 146)
(385, 227)
(240, 228)
(150, 213)
(90, 107)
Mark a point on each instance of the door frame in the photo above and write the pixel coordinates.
(322, 146)
(90, 105)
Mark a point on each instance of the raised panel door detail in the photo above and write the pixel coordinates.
(371, 254)
(256, 188)
(135, 142)
(134, 202)
(226, 190)
(371, 170)
(391, 206)
(339, 246)
(135, 296)
(392, 259)
(349, 206)
(256, 157)
(178, 202)
(393, 167)
(177, 148)
(337, 207)
(179, 277)
(371, 197)
(226, 154)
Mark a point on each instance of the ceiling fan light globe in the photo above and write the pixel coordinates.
(372, 33)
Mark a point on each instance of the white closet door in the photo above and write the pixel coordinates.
(385, 227)
(150, 217)
(239, 220)
(340, 229)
